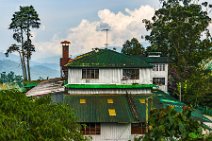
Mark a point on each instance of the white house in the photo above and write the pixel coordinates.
(110, 93)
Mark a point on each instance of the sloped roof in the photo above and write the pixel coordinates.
(94, 108)
(162, 99)
(155, 59)
(47, 87)
(106, 58)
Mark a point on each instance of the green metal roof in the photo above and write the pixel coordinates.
(154, 59)
(110, 86)
(162, 100)
(95, 109)
(31, 85)
(106, 58)
(157, 59)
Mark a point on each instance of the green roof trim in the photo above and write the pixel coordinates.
(31, 85)
(106, 58)
(96, 108)
(110, 86)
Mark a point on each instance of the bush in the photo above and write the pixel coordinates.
(23, 118)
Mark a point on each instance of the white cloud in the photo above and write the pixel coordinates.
(124, 25)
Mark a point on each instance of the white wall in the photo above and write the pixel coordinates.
(110, 91)
(114, 132)
(109, 76)
(160, 74)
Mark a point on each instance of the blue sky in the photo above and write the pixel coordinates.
(76, 20)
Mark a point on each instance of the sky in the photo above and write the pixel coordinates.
(79, 21)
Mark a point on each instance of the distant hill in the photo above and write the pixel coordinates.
(11, 57)
(37, 70)
(44, 72)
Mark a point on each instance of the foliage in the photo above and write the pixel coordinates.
(22, 23)
(179, 29)
(22, 118)
(197, 89)
(167, 124)
(10, 78)
(133, 47)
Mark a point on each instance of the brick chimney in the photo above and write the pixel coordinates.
(65, 58)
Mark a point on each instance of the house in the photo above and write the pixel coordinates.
(159, 74)
(110, 93)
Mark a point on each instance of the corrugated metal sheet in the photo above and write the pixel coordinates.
(47, 87)
(162, 100)
(96, 108)
(105, 58)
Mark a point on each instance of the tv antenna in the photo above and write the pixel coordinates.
(106, 30)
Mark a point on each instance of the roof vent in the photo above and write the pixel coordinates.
(96, 49)
(112, 112)
(82, 101)
(154, 54)
(110, 101)
(142, 101)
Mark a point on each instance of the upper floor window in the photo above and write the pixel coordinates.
(159, 67)
(130, 74)
(159, 81)
(91, 129)
(90, 73)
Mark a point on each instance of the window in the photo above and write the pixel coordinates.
(155, 68)
(91, 129)
(159, 81)
(130, 74)
(159, 67)
(90, 73)
(138, 128)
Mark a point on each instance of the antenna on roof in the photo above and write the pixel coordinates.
(106, 37)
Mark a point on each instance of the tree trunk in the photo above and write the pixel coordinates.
(28, 69)
(28, 53)
(23, 57)
(21, 63)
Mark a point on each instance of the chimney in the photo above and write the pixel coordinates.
(65, 58)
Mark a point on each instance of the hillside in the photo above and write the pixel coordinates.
(37, 71)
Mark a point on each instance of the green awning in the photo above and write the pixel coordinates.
(110, 86)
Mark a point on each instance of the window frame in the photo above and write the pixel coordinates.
(159, 81)
(90, 73)
(159, 67)
(138, 128)
(125, 73)
(91, 128)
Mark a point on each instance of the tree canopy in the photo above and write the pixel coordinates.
(22, 22)
(23, 118)
(133, 47)
(179, 29)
